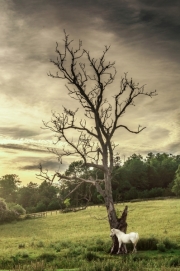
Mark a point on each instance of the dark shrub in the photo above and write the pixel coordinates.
(53, 205)
(76, 251)
(10, 216)
(21, 246)
(40, 244)
(90, 256)
(131, 194)
(7, 215)
(47, 256)
(161, 247)
(170, 244)
(41, 207)
(147, 243)
(175, 261)
(17, 208)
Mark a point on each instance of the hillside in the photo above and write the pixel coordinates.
(33, 237)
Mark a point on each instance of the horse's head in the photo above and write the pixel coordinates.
(112, 233)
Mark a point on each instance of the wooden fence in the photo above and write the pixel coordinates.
(36, 215)
(55, 212)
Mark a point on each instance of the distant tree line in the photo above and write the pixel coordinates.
(157, 175)
(33, 197)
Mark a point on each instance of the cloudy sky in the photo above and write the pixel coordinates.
(145, 42)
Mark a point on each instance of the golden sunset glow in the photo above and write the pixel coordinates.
(144, 43)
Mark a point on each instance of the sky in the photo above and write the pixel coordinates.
(144, 41)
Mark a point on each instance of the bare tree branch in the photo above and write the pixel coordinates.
(135, 132)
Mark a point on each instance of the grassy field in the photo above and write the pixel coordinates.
(68, 236)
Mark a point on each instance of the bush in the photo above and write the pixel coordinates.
(23, 254)
(53, 205)
(170, 244)
(156, 192)
(132, 193)
(99, 246)
(7, 215)
(47, 256)
(21, 246)
(90, 256)
(3, 205)
(11, 216)
(40, 244)
(166, 244)
(154, 244)
(30, 210)
(147, 243)
(17, 208)
(76, 251)
(161, 247)
(57, 247)
(175, 261)
(41, 207)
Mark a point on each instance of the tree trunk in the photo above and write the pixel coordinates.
(121, 225)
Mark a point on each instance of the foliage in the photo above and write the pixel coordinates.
(53, 205)
(170, 244)
(17, 208)
(138, 178)
(90, 256)
(147, 243)
(9, 186)
(28, 196)
(67, 203)
(7, 215)
(176, 183)
(40, 198)
(175, 261)
(76, 168)
(161, 247)
(48, 256)
(41, 207)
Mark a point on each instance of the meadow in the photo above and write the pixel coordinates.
(80, 240)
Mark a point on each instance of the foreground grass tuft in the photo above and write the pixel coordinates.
(37, 266)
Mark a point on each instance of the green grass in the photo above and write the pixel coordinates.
(66, 239)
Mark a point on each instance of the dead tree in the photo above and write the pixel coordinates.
(88, 80)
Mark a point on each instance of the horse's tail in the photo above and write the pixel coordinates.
(137, 237)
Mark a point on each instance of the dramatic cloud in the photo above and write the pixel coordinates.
(145, 40)
(49, 165)
(22, 148)
(17, 132)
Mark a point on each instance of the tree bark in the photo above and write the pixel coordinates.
(122, 225)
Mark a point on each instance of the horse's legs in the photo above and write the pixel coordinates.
(112, 249)
(134, 248)
(119, 247)
(125, 249)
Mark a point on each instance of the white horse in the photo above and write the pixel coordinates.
(124, 238)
